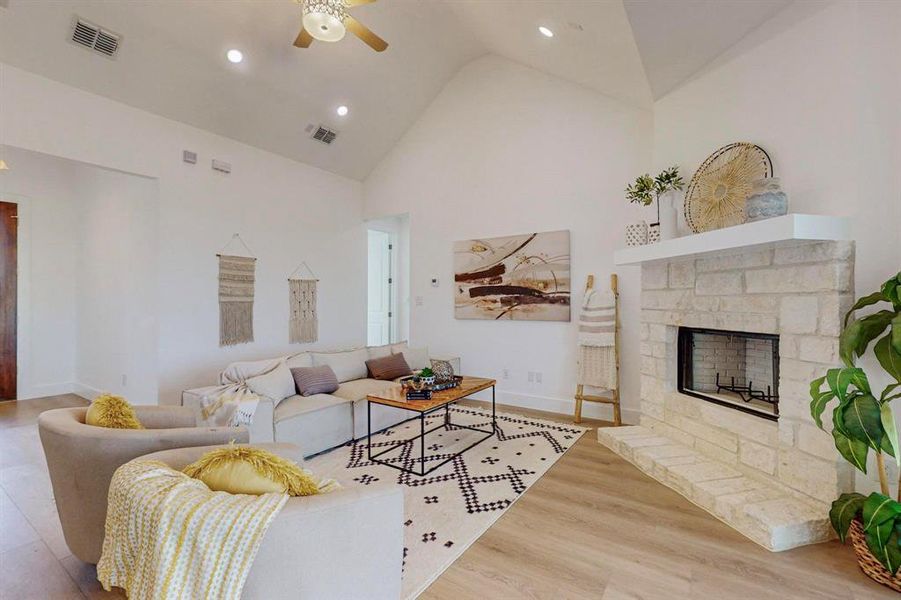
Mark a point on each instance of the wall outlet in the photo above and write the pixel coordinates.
(418, 300)
(124, 380)
(531, 376)
(505, 373)
(537, 376)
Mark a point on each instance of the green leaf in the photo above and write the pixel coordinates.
(877, 509)
(888, 357)
(843, 512)
(840, 379)
(888, 390)
(890, 291)
(857, 336)
(896, 333)
(866, 301)
(883, 543)
(862, 420)
(853, 451)
(818, 400)
(891, 432)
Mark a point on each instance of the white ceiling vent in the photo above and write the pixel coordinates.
(324, 134)
(101, 41)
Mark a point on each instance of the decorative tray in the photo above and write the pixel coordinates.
(425, 391)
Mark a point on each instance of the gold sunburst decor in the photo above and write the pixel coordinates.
(717, 192)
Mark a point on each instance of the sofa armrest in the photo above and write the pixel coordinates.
(343, 544)
(165, 417)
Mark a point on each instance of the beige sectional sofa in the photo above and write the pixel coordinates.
(322, 421)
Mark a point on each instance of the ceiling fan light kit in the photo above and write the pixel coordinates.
(324, 19)
(329, 21)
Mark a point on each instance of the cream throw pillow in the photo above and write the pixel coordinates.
(347, 365)
(277, 384)
(417, 358)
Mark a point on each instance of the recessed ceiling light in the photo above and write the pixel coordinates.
(545, 31)
(234, 56)
(342, 111)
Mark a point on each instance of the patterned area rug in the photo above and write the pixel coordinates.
(448, 509)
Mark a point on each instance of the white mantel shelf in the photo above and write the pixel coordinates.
(748, 235)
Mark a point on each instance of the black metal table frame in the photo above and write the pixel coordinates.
(422, 433)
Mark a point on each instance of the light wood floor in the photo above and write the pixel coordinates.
(592, 527)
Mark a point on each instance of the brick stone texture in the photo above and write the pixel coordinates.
(796, 290)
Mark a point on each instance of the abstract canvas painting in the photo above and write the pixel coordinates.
(518, 277)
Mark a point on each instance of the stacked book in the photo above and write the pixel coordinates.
(419, 394)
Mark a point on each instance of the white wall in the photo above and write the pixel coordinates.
(819, 92)
(286, 211)
(506, 149)
(819, 88)
(47, 260)
(116, 310)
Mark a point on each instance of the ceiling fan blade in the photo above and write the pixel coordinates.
(304, 39)
(352, 3)
(365, 34)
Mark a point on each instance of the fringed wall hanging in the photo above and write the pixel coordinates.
(236, 281)
(303, 326)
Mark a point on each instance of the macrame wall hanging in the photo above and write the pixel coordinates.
(236, 280)
(303, 326)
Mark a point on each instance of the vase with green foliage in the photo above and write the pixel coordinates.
(646, 189)
(862, 421)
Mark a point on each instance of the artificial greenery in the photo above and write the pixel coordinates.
(645, 189)
(427, 372)
(861, 422)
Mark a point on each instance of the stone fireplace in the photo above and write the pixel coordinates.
(767, 318)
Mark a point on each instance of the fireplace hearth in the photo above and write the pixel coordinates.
(730, 368)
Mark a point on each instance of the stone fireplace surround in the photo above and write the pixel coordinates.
(773, 481)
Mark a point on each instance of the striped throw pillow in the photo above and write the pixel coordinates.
(315, 380)
(388, 367)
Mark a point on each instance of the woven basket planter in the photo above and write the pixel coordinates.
(868, 563)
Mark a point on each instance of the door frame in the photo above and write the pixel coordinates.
(392, 286)
(23, 292)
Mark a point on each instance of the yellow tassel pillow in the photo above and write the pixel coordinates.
(248, 470)
(113, 412)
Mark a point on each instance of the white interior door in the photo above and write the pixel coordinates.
(380, 313)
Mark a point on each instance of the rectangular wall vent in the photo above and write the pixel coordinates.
(93, 37)
(324, 135)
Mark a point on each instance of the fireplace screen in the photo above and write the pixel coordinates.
(732, 368)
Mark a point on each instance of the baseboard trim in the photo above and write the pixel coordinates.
(85, 391)
(47, 389)
(561, 406)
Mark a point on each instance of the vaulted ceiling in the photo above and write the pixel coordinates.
(172, 59)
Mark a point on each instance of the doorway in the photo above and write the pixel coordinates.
(9, 219)
(381, 285)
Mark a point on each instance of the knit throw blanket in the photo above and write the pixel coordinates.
(597, 321)
(169, 536)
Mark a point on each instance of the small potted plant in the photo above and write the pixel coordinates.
(864, 423)
(645, 190)
(427, 376)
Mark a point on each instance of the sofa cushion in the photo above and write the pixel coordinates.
(304, 359)
(346, 365)
(388, 367)
(379, 351)
(277, 384)
(417, 358)
(250, 470)
(360, 388)
(113, 412)
(298, 405)
(315, 380)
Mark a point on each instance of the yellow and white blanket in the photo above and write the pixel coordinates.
(169, 536)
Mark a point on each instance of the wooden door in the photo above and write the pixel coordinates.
(8, 290)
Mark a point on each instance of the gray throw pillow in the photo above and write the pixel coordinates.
(315, 380)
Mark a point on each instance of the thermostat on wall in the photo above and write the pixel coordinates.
(435, 282)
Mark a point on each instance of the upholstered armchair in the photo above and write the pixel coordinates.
(82, 459)
(348, 543)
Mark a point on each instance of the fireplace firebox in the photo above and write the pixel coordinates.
(736, 369)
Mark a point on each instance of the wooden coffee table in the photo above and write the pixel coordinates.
(396, 398)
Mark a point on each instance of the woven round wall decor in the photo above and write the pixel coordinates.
(716, 195)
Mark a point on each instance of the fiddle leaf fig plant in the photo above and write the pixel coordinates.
(864, 423)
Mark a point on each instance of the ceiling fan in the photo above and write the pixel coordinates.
(328, 21)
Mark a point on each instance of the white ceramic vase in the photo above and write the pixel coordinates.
(669, 218)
